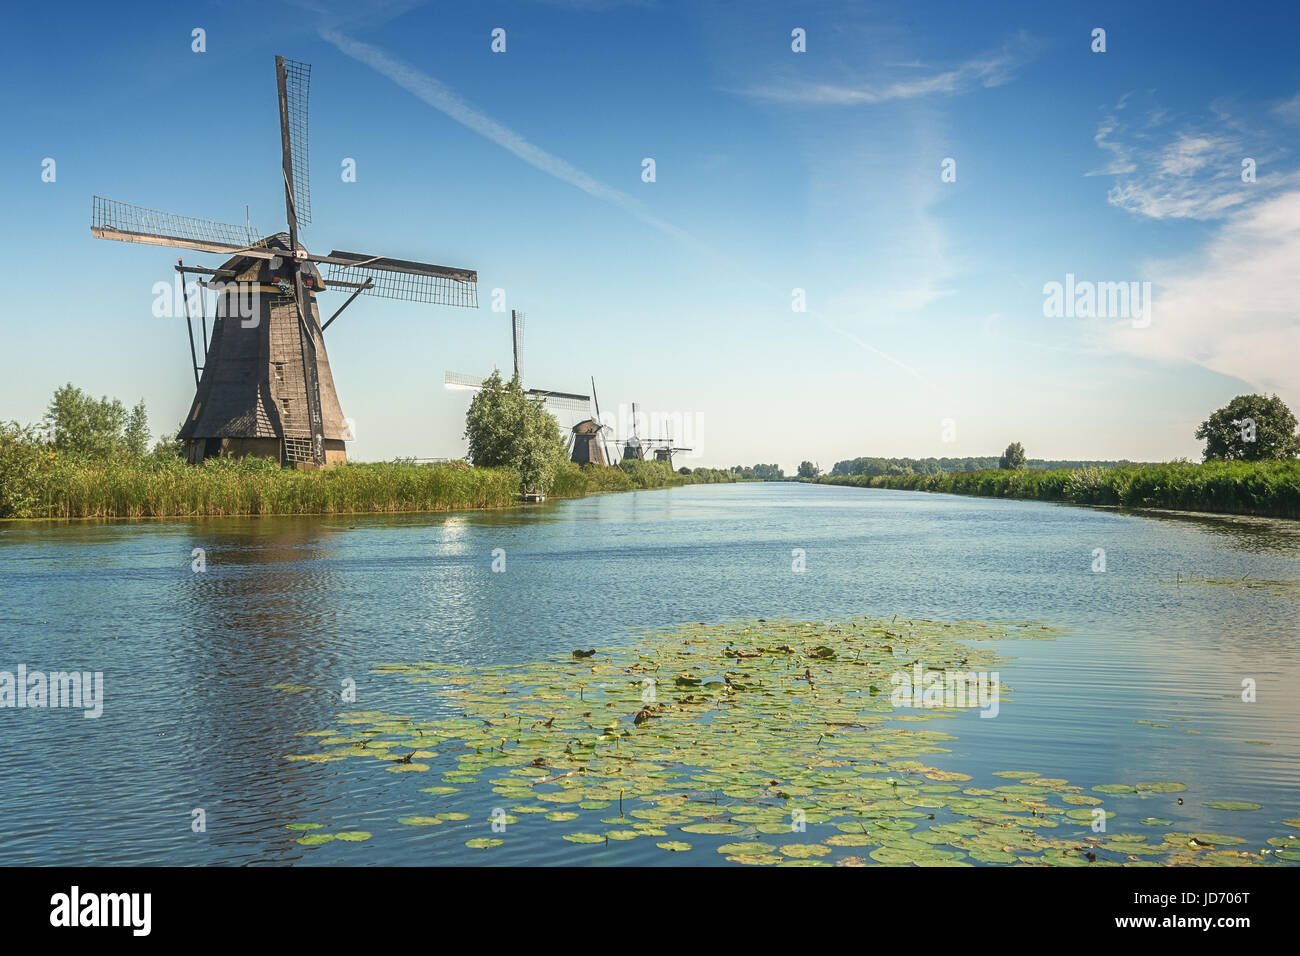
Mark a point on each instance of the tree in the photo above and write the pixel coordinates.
(506, 430)
(135, 437)
(1013, 459)
(808, 470)
(81, 425)
(1250, 428)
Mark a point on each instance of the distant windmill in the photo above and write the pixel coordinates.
(633, 448)
(553, 398)
(266, 387)
(664, 449)
(587, 444)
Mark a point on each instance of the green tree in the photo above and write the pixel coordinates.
(135, 436)
(1013, 459)
(808, 470)
(506, 430)
(81, 425)
(1250, 428)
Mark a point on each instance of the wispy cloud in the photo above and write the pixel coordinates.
(1194, 172)
(1288, 111)
(989, 70)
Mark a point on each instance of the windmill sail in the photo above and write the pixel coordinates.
(126, 222)
(404, 279)
(294, 81)
(567, 400)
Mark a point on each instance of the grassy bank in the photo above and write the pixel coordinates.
(161, 487)
(1268, 488)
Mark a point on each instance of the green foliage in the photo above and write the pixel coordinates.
(758, 472)
(506, 430)
(135, 435)
(1228, 434)
(25, 463)
(80, 425)
(940, 466)
(808, 470)
(1013, 459)
(1269, 488)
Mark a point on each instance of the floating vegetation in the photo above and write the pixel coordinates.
(744, 733)
(1283, 588)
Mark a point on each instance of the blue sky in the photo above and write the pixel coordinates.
(775, 171)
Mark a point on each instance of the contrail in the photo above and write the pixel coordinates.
(443, 98)
(446, 100)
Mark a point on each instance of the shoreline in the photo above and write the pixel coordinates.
(1265, 489)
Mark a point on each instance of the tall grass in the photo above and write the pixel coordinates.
(1269, 488)
(167, 487)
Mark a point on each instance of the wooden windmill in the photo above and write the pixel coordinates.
(633, 447)
(552, 397)
(587, 444)
(265, 386)
(664, 449)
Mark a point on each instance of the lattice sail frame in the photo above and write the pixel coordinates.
(297, 88)
(575, 403)
(132, 221)
(410, 286)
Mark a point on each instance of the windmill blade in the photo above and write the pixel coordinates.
(462, 380)
(595, 398)
(404, 279)
(126, 222)
(565, 400)
(517, 335)
(293, 80)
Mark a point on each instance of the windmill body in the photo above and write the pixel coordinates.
(588, 437)
(252, 398)
(266, 388)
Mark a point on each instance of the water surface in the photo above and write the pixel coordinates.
(187, 657)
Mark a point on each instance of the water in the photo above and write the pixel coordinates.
(187, 657)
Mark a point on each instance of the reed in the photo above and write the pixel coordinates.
(155, 487)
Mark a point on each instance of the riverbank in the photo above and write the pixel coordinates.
(1268, 489)
(161, 487)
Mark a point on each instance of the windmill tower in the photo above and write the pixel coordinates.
(552, 397)
(265, 386)
(587, 443)
(633, 447)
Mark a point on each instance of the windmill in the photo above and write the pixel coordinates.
(587, 443)
(664, 448)
(633, 448)
(266, 388)
(556, 399)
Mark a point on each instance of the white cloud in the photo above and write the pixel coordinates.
(985, 71)
(1193, 174)
(1289, 110)
(1233, 307)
